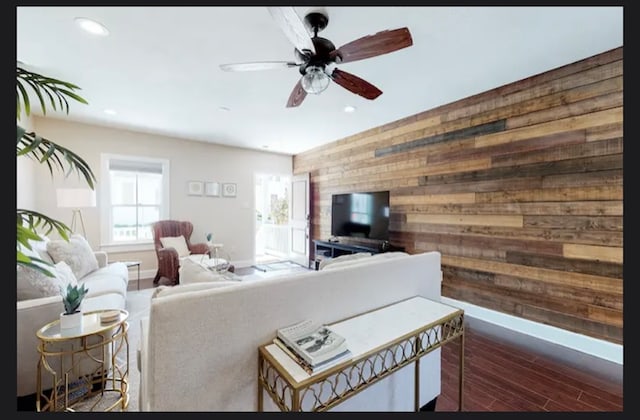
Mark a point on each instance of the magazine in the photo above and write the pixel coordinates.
(314, 344)
(307, 367)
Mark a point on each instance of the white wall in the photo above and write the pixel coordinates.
(229, 219)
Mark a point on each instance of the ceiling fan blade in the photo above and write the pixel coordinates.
(297, 95)
(355, 84)
(258, 65)
(373, 45)
(293, 27)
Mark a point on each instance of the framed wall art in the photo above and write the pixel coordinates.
(195, 187)
(229, 189)
(212, 189)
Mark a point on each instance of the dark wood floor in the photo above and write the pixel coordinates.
(501, 377)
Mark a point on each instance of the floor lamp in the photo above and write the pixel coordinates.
(76, 199)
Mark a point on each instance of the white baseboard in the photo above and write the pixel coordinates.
(585, 344)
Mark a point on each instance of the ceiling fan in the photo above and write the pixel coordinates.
(316, 57)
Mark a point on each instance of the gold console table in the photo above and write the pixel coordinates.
(79, 370)
(382, 341)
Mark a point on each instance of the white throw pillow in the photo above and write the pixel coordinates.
(176, 242)
(77, 253)
(33, 284)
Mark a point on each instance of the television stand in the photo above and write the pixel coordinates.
(332, 249)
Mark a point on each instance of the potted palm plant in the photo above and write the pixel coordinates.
(72, 298)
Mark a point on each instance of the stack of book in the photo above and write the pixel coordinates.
(314, 347)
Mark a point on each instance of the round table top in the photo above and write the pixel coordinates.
(91, 324)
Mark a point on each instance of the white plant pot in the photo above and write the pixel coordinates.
(71, 321)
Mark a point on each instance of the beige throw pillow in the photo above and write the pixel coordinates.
(77, 253)
(176, 242)
(33, 284)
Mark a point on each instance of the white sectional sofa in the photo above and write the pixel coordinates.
(199, 345)
(107, 286)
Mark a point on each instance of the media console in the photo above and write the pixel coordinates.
(330, 249)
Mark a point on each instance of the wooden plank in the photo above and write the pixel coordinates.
(584, 208)
(515, 93)
(506, 184)
(395, 200)
(540, 168)
(604, 132)
(462, 239)
(574, 222)
(572, 323)
(593, 252)
(462, 133)
(536, 143)
(594, 149)
(609, 116)
(548, 95)
(588, 281)
(566, 302)
(484, 220)
(587, 106)
(460, 251)
(610, 238)
(578, 294)
(612, 177)
(600, 192)
(598, 268)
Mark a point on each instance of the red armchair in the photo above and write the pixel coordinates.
(168, 259)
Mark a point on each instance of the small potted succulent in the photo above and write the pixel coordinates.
(72, 299)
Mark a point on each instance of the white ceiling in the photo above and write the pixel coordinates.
(159, 67)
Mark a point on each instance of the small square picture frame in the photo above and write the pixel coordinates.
(212, 189)
(195, 187)
(229, 189)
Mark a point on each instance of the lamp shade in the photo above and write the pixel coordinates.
(76, 197)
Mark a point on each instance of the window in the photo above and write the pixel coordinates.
(361, 207)
(135, 195)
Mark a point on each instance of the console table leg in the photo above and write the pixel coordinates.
(416, 404)
(260, 384)
(460, 399)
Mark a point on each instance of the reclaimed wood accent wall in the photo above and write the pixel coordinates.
(519, 188)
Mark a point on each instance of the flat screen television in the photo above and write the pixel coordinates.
(361, 215)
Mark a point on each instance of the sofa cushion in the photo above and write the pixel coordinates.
(33, 284)
(76, 252)
(176, 242)
(347, 257)
(110, 279)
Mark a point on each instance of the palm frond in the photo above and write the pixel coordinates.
(28, 222)
(54, 155)
(42, 85)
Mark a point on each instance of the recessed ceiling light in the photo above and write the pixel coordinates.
(110, 112)
(349, 108)
(92, 26)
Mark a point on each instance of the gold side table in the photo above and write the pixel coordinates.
(84, 369)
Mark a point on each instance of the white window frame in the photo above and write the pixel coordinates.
(107, 243)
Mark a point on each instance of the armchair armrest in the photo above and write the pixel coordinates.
(201, 248)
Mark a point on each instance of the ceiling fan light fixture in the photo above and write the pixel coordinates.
(315, 80)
